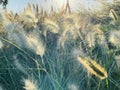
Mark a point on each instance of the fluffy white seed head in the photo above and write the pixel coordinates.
(30, 84)
(93, 35)
(90, 38)
(35, 43)
(51, 25)
(23, 39)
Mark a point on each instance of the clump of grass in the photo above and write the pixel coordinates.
(34, 37)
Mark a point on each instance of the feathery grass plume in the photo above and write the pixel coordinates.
(17, 34)
(10, 17)
(94, 34)
(26, 19)
(114, 37)
(117, 59)
(29, 17)
(93, 67)
(28, 10)
(2, 29)
(51, 25)
(83, 22)
(90, 38)
(29, 40)
(113, 15)
(35, 43)
(69, 26)
(30, 14)
(30, 84)
(5, 17)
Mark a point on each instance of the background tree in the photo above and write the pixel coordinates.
(4, 2)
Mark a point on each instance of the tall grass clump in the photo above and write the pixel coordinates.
(68, 47)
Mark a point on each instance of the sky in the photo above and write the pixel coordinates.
(19, 5)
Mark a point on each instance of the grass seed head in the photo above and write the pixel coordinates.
(93, 67)
(29, 84)
(35, 43)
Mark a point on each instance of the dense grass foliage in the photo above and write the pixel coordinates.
(60, 50)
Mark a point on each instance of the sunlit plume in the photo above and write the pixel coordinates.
(30, 84)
